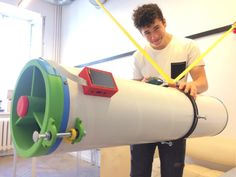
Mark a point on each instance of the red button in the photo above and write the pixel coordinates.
(234, 30)
(22, 106)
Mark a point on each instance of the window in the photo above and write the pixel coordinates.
(20, 41)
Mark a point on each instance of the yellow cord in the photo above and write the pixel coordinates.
(152, 62)
(146, 55)
(203, 54)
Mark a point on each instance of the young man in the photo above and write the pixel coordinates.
(173, 55)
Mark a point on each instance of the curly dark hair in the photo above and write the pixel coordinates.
(146, 14)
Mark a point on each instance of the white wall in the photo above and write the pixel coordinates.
(48, 11)
(88, 35)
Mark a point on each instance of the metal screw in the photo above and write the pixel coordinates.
(169, 143)
(202, 117)
(36, 136)
(47, 136)
(65, 83)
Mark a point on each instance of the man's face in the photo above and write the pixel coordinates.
(155, 34)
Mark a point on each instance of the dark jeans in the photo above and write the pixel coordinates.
(171, 158)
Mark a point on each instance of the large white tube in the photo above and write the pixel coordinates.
(137, 113)
(141, 113)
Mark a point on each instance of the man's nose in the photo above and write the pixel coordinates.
(154, 36)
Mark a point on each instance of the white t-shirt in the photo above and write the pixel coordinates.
(173, 59)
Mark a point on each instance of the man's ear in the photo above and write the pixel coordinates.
(164, 22)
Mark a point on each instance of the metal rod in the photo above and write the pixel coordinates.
(47, 136)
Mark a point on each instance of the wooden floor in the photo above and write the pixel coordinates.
(56, 165)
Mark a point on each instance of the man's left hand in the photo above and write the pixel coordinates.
(186, 87)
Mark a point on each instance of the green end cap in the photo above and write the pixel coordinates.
(43, 112)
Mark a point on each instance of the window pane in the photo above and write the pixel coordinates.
(17, 47)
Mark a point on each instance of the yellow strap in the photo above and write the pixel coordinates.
(152, 62)
(146, 55)
(204, 54)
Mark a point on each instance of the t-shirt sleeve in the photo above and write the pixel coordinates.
(194, 54)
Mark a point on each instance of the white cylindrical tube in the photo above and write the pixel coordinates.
(141, 113)
(49, 99)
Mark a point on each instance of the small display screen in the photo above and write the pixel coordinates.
(101, 78)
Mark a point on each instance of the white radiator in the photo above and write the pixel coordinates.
(5, 137)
